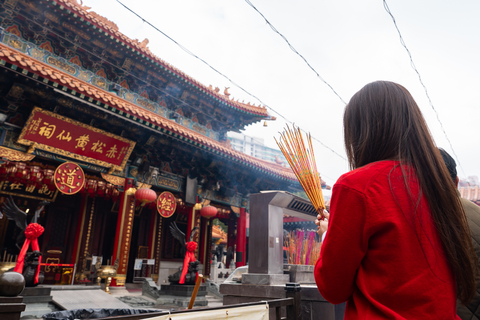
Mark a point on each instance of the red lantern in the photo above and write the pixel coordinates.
(115, 194)
(101, 188)
(91, 187)
(3, 169)
(108, 190)
(208, 212)
(48, 177)
(145, 195)
(21, 171)
(35, 175)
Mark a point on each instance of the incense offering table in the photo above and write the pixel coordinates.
(300, 273)
(267, 274)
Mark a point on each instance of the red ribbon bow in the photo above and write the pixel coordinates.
(189, 257)
(33, 231)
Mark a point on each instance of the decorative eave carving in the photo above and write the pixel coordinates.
(44, 70)
(15, 155)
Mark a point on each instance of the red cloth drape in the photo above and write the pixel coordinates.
(189, 257)
(33, 231)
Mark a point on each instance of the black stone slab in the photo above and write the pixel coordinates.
(11, 299)
(37, 299)
(36, 291)
(182, 290)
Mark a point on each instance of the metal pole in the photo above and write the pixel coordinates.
(195, 291)
(73, 275)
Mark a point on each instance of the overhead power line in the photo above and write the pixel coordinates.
(385, 5)
(294, 50)
(230, 80)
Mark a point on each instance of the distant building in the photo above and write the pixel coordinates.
(256, 147)
(471, 181)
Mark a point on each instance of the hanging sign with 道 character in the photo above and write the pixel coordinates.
(166, 204)
(69, 178)
(54, 133)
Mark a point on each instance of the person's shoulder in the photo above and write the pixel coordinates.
(361, 178)
(471, 209)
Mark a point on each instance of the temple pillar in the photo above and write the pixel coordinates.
(241, 238)
(190, 222)
(194, 219)
(123, 234)
(230, 237)
(206, 249)
(79, 232)
(84, 237)
(196, 238)
(155, 242)
(203, 242)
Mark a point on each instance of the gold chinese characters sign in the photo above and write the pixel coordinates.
(54, 133)
(18, 189)
(69, 178)
(166, 204)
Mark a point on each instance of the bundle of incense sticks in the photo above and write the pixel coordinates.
(9, 257)
(302, 247)
(303, 164)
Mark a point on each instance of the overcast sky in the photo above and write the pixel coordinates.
(350, 43)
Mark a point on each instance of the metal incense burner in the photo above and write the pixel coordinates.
(106, 272)
(6, 266)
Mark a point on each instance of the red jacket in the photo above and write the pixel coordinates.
(380, 254)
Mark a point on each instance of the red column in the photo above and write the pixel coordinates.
(152, 233)
(241, 238)
(203, 241)
(190, 222)
(121, 247)
(231, 237)
(79, 231)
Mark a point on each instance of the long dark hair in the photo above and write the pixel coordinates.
(381, 122)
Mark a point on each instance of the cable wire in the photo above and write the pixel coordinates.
(230, 80)
(294, 50)
(182, 102)
(412, 64)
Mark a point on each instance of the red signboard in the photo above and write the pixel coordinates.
(57, 134)
(69, 178)
(166, 204)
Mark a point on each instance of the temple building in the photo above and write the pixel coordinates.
(90, 119)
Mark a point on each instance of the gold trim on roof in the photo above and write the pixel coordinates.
(58, 76)
(15, 155)
(118, 181)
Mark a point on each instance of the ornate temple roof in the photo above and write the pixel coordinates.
(112, 30)
(44, 70)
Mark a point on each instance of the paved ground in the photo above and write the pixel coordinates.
(83, 299)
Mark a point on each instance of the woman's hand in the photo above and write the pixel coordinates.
(322, 225)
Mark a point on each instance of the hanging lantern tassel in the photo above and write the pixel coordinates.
(145, 195)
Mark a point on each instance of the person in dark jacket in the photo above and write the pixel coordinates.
(472, 211)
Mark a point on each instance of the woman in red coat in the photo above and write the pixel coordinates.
(398, 243)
